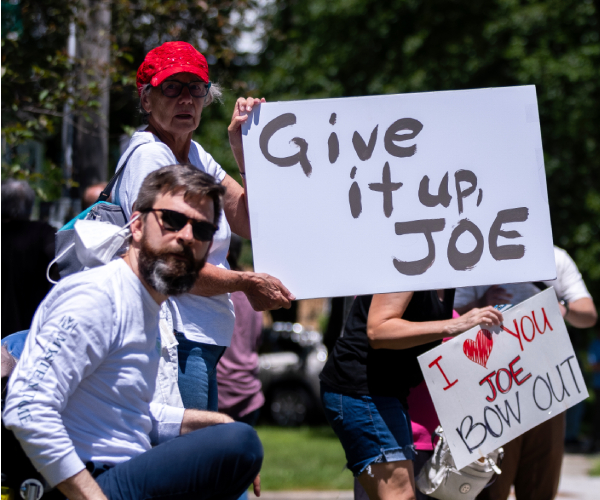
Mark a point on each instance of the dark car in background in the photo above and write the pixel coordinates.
(291, 359)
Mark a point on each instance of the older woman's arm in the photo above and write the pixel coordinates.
(236, 201)
(263, 291)
(387, 330)
(236, 207)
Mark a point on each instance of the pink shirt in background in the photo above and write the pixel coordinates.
(422, 413)
(237, 372)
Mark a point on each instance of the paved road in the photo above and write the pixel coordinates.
(575, 484)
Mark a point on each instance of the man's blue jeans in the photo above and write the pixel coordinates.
(219, 461)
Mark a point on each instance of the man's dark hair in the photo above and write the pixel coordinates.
(179, 178)
(17, 200)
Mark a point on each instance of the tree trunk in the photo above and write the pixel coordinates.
(90, 141)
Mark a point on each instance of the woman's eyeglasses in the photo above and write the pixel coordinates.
(173, 88)
(171, 220)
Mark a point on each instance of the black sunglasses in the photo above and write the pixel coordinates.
(173, 88)
(175, 221)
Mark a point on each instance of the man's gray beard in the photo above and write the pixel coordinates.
(166, 274)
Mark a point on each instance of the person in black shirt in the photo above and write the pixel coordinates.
(368, 376)
(27, 249)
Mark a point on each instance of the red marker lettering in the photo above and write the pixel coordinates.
(546, 322)
(498, 385)
(487, 379)
(516, 335)
(523, 329)
(436, 362)
(515, 374)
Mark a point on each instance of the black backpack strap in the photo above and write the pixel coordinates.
(109, 187)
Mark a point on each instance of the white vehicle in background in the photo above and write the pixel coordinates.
(291, 359)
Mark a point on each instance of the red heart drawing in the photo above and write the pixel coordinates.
(479, 350)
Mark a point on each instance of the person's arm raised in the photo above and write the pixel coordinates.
(236, 200)
(387, 330)
(263, 291)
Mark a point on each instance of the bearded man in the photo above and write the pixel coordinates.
(80, 398)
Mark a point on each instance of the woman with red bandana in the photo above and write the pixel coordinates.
(174, 87)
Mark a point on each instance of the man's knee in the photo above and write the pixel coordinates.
(243, 441)
(236, 444)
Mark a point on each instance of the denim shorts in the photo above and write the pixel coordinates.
(372, 429)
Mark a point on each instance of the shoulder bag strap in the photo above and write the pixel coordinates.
(107, 190)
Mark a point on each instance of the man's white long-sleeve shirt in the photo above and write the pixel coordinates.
(82, 390)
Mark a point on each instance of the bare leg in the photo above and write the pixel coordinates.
(389, 481)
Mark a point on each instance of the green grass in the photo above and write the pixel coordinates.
(595, 470)
(305, 458)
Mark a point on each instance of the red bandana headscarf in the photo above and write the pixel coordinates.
(168, 59)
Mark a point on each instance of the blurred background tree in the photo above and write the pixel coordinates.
(340, 48)
(92, 89)
(315, 49)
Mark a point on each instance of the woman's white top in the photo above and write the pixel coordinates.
(208, 320)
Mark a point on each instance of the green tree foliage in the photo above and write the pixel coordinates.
(38, 78)
(35, 86)
(331, 48)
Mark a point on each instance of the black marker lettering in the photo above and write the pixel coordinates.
(535, 393)
(507, 252)
(464, 176)
(425, 226)
(568, 361)
(464, 261)
(333, 143)
(471, 427)
(387, 187)
(392, 136)
(364, 151)
(564, 389)
(487, 424)
(508, 409)
(429, 200)
(355, 199)
(300, 157)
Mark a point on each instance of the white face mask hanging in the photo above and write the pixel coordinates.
(96, 242)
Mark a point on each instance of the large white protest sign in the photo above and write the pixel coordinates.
(402, 192)
(491, 384)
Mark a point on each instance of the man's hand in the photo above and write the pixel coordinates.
(494, 296)
(242, 109)
(266, 292)
(256, 485)
(81, 486)
(486, 316)
(199, 419)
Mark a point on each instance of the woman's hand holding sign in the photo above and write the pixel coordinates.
(487, 316)
(387, 330)
(241, 111)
